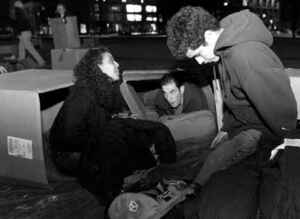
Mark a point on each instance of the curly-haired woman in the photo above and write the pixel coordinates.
(111, 147)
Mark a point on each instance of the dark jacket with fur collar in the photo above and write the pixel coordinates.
(84, 114)
(111, 148)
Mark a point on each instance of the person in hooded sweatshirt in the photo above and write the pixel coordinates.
(259, 110)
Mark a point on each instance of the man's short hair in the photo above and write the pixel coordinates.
(186, 29)
(169, 78)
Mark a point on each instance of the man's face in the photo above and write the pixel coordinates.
(110, 67)
(173, 94)
(205, 52)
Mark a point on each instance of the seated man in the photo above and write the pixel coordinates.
(186, 110)
(176, 98)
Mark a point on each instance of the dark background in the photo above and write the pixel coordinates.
(289, 8)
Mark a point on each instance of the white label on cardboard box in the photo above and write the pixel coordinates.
(19, 147)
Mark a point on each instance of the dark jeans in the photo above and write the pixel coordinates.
(228, 153)
(229, 194)
(238, 191)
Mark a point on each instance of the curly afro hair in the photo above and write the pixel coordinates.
(87, 71)
(186, 29)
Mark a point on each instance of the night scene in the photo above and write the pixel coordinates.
(149, 109)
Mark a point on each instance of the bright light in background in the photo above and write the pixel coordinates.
(134, 17)
(271, 21)
(154, 28)
(245, 3)
(133, 8)
(124, 1)
(115, 8)
(151, 8)
(142, 1)
(264, 15)
(83, 29)
(117, 27)
(151, 18)
(225, 4)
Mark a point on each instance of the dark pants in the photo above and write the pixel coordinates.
(229, 194)
(238, 191)
(125, 148)
(243, 190)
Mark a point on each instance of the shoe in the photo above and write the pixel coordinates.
(192, 190)
(42, 65)
(11, 59)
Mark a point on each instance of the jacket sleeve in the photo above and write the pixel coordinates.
(72, 127)
(266, 84)
(194, 99)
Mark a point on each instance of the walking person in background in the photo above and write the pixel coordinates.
(61, 10)
(23, 30)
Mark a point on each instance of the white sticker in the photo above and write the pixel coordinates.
(19, 147)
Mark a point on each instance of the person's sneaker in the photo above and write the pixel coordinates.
(42, 65)
(192, 190)
(10, 59)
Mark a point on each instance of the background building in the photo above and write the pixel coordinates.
(124, 16)
(268, 10)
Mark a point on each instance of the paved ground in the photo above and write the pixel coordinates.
(66, 200)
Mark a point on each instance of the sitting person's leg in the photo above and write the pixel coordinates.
(229, 180)
(229, 194)
(228, 153)
(120, 153)
(280, 187)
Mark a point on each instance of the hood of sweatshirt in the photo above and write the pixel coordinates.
(242, 27)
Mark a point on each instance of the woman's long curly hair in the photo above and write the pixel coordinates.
(186, 29)
(88, 72)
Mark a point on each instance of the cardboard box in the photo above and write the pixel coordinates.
(65, 32)
(30, 100)
(134, 101)
(66, 58)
